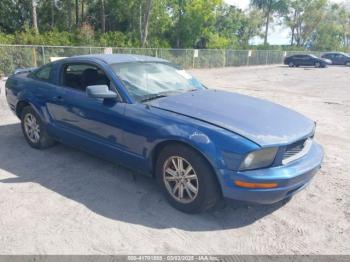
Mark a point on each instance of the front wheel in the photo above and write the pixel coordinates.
(34, 130)
(347, 64)
(186, 179)
(317, 64)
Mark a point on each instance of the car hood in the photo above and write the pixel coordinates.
(262, 122)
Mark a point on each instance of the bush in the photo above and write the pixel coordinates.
(113, 39)
(6, 39)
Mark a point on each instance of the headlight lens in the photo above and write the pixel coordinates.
(259, 159)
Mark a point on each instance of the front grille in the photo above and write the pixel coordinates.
(296, 150)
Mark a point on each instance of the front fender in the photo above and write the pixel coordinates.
(187, 135)
(216, 145)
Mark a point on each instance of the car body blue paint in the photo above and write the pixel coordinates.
(290, 179)
(263, 122)
(224, 127)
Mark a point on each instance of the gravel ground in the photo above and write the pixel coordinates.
(62, 201)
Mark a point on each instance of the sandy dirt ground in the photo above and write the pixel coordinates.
(62, 201)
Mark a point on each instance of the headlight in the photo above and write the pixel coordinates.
(259, 159)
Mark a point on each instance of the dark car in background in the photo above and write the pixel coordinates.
(306, 60)
(338, 58)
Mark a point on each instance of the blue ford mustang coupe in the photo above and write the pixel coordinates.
(147, 114)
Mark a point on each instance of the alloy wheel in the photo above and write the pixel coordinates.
(32, 128)
(180, 179)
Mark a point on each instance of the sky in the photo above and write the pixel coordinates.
(278, 35)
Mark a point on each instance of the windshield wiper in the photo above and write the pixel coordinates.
(153, 97)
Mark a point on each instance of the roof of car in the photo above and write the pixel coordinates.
(329, 53)
(121, 58)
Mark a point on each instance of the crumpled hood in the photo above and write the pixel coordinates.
(263, 122)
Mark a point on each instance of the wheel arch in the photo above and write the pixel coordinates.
(20, 106)
(157, 149)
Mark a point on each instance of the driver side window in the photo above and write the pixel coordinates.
(79, 76)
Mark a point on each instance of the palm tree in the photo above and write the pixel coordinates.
(270, 7)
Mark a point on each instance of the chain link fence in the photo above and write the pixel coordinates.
(22, 56)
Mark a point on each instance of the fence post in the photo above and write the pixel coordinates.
(284, 55)
(43, 53)
(248, 55)
(224, 58)
(193, 58)
(34, 63)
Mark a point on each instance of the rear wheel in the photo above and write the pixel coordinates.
(347, 63)
(34, 130)
(291, 64)
(186, 179)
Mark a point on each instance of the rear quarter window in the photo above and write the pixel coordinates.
(43, 74)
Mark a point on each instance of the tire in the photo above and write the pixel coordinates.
(317, 64)
(347, 63)
(203, 179)
(291, 64)
(38, 137)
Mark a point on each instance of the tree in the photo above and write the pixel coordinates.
(82, 19)
(69, 7)
(77, 13)
(145, 11)
(180, 10)
(159, 23)
(250, 27)
(34, 17)
(303, 18)
(344, 22)
(14, 15)
(332, 31)
(52, 13)
(270, 7)
(237, 26)
(103, 17)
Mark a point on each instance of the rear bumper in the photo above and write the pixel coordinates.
(290, 178)
(11, 100)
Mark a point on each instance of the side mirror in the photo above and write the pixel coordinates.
(100, 91)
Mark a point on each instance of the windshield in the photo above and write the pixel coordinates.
(313, 56)
(150, 80)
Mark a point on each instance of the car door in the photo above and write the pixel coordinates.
(302, 60)
(48, 95)
(339, 59)
(308, 60)
(92, 124)
(332, 58)
(297, 60)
